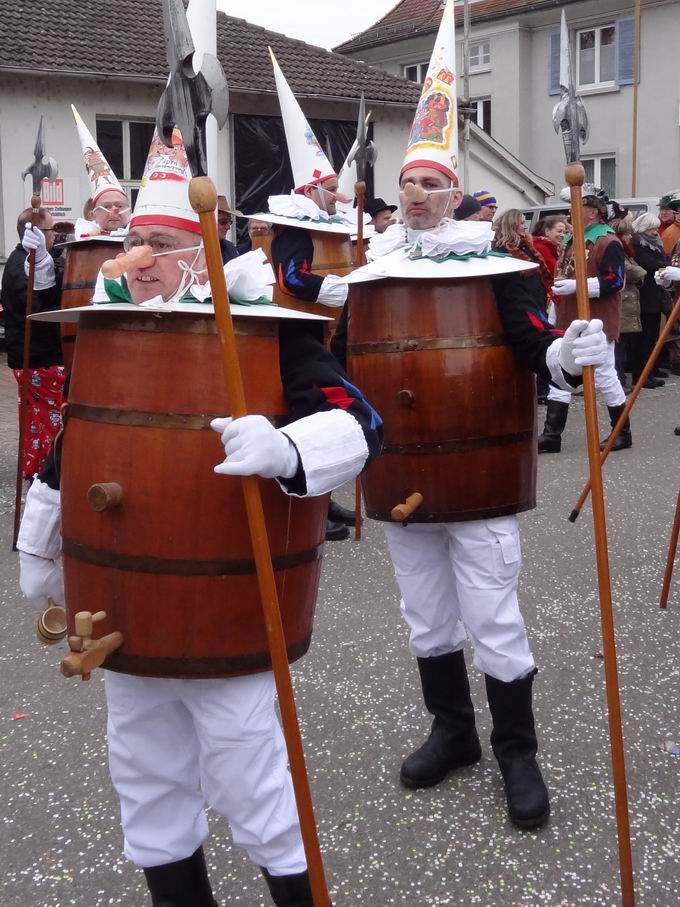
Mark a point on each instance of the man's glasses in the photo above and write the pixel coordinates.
(159, 245)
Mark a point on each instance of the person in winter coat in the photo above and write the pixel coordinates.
(630, 300)
(547, 238)
(649, 253)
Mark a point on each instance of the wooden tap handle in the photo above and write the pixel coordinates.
(104, 495)
(84, 621)
(402, 512)
(98, 617)
(94, 656)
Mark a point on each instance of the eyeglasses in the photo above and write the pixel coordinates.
(159, 245)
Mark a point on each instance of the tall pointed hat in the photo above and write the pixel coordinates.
(164, 191)
(307, 158)
(98, 168)
(434, 135)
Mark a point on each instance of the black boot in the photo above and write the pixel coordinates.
(514, 745)
(453, 740)
(339, 514)
(336, 532)
(625, 439)
(550, 441)
(181, 884)
(290, 891)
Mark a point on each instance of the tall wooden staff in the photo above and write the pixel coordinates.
(569, 118)
(186, 102)
(41, 168)
(365, 154)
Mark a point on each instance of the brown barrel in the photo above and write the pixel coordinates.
(82, 263)
(459, 412)
(332, 255)
(172, 564)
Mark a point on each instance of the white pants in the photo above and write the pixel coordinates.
(607, 383)
(459, 580)
(177, 745)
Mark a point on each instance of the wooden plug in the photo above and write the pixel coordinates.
(402, 512)
(104, 496)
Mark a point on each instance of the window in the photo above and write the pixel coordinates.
(596, 53)
(601, 171)
(480, 56)
(416, 72)
(482, 114)
(125, 145)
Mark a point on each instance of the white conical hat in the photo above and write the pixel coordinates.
(164, 190)
(434, 135)
(98, 168)
(310, 164)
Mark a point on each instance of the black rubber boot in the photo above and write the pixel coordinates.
(181, 884)
(339, 514)
(550, 441)
(336, 532)
(625, 438)
(514, 745)
(290, 891)
(453, 740)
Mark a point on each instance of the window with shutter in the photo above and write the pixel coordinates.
(554, 62)
(625, 51)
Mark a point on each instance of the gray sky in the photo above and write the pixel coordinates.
(323, 22)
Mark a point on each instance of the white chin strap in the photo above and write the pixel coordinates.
(190, 276)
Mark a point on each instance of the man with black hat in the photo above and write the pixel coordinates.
(469, 209)
(382, 214)
(606, 277)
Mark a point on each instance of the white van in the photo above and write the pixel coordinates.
(636, 205)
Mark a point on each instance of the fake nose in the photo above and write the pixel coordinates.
(415, 195)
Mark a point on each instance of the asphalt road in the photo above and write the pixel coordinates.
(361, 711)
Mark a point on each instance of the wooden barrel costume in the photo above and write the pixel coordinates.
(459, 412)
(83, 261)
(332, 255)
(172, 564)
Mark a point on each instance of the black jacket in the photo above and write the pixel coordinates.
(45, 337)
(292, 254)
(651, 260)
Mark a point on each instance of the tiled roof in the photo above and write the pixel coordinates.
(125, 38)
(412, 17)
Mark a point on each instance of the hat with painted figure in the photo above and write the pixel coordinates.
(433, 141)
(307, 158)
(99, 170)
(164, 190)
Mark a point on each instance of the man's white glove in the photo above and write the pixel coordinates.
(568, 288)
(44, 276)
(40, 578)
(665, 277)
(254, 447)
(584, 343)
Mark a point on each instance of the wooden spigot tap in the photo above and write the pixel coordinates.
(87, 653)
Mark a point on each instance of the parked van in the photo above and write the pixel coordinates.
(636, 206)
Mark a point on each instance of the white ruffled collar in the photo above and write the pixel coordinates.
(299, 207)
(457, 237)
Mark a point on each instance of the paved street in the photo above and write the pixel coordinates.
(360, 705)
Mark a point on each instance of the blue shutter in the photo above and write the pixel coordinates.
(554, 62)
(625, 50)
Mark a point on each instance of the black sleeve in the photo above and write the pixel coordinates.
(292, 253)
(519, 300)
(314, 382)
(649, 259)
(612, 271)
(339, 340)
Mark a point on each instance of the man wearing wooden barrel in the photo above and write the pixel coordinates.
(457, 572)
(303, 221)
(109, 204)
(176, 744)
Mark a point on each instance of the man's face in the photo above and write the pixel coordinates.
(224, 221)
(112, 210)
(324, 194)
(488, 212)
(382, 220)
(422, 215)
(164, 276)
(258, 228)
(666, 215)
(590, 215)
(47, 229)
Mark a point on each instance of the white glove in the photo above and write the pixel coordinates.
(664, 277)
(568, 288)
(254, 447)
(35, 239)
(40, 578)
(584, 343)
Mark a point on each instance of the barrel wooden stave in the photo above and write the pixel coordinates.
(459, 412)
(172, 565)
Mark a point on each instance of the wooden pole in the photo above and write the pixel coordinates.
(466, 92)
(359, 260)
(672, 548)
(636, 80)
(575, 176)
(203, 197)
(25, 386)
(630, 402)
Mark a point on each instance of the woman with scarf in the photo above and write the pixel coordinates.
(649, 253)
